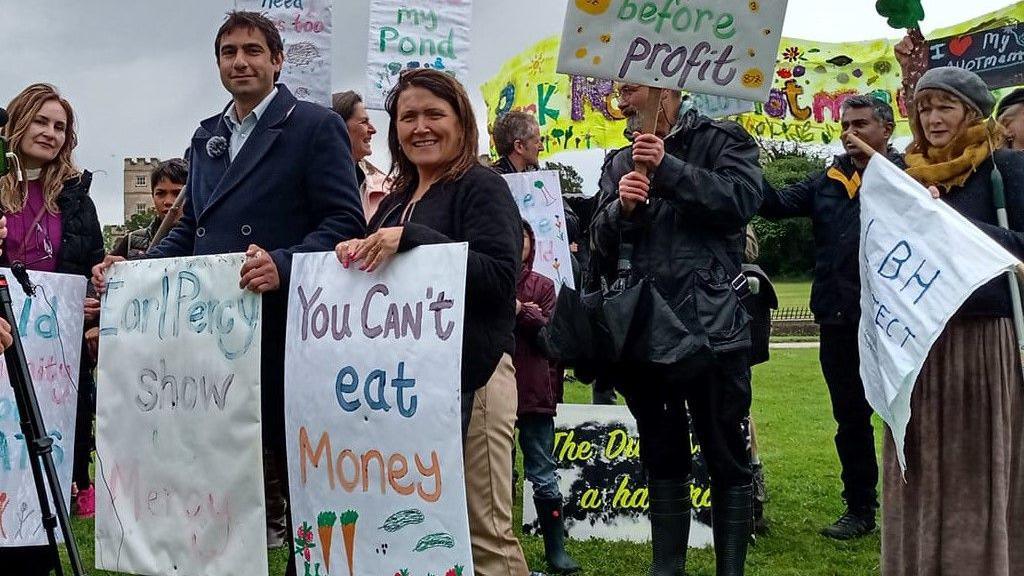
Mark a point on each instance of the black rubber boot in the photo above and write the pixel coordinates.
(670, 526)
(731, 516)
(552, 526)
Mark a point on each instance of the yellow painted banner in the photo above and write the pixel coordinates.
(812, 79)
(574, 113)
(810, 83)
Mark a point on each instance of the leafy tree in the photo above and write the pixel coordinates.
(572, 182)
(113, 233)
(787, 246)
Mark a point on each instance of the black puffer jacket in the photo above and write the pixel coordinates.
(835, 217)
(705, 191)
(81, 245)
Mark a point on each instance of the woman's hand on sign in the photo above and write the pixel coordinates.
(935, 191)
(648, 150)
(373, 251)
(259, 272)
(633, 190)
(99, 272)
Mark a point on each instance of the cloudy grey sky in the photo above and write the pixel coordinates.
(142, 74)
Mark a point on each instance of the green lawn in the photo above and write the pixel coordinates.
(795, 429)
(793, 293)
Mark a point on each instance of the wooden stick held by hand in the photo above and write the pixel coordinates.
(649, 120)
(862, 146)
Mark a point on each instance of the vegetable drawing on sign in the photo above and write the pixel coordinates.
(724, 47)
(372, 396)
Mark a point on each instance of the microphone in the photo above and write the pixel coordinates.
(20, 274)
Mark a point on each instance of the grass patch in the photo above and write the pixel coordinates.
(793, 293)
(795, 428)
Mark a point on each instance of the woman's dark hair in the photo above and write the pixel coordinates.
(174, 170)
(344, 103)
(403, 172)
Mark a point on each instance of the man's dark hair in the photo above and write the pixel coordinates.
(344, 103)
(880, 109)
(252, 21)
(175, 170)
(509, 128)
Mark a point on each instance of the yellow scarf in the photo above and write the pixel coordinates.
(953, 164)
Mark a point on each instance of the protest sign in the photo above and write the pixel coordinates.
(597, 450)
(911, 283)
(305, 27)
(574, 112)
(50, 326)
(539, 198)
(723, 47)
(373, 414)
(418, 34)
(179, 457)
(997, 54)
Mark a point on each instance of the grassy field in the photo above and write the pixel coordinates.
(793, 293)
(795, 428)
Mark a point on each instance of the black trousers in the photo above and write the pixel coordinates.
(719, 399)
(855, 437)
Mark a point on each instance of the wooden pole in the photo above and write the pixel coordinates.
(649, 119)
(170, 219)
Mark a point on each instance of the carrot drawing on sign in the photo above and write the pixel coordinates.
(348, 533)
(325, 527)
(3, 507)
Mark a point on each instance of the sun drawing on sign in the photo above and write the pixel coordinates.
(593, 7)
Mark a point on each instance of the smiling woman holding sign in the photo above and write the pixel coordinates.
(53, 227)
(960, 509)
(441, 195)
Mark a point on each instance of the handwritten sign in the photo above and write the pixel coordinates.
(305, 27)
(418, 34)
(723, 47)
(597, 449)
(179, 486)
(539, 198)
(911, 283)
(50, 326)
(373, 418)
(997, 55)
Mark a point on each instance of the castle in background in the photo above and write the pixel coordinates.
(138, 196)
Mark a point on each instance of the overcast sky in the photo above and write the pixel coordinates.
(142, 74)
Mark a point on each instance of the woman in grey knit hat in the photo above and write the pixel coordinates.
(960, 509)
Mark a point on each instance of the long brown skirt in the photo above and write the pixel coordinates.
(961, 510)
